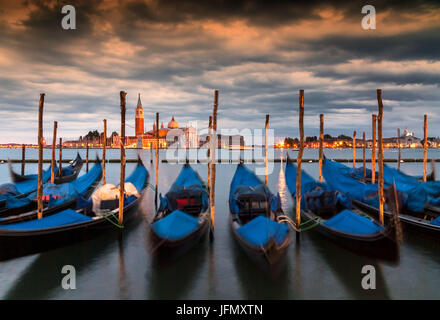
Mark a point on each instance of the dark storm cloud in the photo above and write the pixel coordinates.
(176, 52)
(269, 13)
(423, 44)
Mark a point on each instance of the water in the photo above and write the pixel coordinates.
(314, 269)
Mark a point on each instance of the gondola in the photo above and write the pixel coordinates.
(415, 211)
(182, 218)
(332, 214)
(254, 215)
(89, 219)
(358, 173)
(10, 192)
(68, 173)
(56, 197)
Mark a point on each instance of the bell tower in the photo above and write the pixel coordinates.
(139, 121)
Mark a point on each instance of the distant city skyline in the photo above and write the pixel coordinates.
(258, 55)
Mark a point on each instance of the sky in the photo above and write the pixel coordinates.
(258, 54)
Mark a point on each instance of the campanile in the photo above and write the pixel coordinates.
(139, 121)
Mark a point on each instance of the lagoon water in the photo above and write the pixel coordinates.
(111, 268)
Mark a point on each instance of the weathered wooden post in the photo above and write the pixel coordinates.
(398, 148)
(87, 157)
(23, 158)
(425, 147)
(373, 151)
(54, 146)
(354, 149)
(364, 155)
(321, 144)
(122, 94)
(214, 146)
(104, 146)
(266, 132)
(380, 137)
(299, 159)
(60, 166)
(208, 152)
(40, 158)
(157, 156)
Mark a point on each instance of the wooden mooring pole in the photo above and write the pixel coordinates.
(364, 155)
(208, 152)
(266, 137)
(354, 149)
(40, 158)
(60, 165)
(380, 144)
(104, 146)
(54, 147)
(425, 146)
(214, 146)
(398, 148)
(321, 144)
(157, 158)
(87, 157)
(122, 94)
(299, 159)
(23, 158)
(373, 150)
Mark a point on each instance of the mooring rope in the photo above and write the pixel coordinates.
(112, 222)
(302, 228)
(289, 221)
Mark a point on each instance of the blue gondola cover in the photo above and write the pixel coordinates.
(338, 178)
(62, 218)
(175, 226)
(350, 222)
(436, 221)
(138, 177)
(414, 194)
(311, 187)
(246, 182)
(83, 183)
(189, 182)
(260, 230)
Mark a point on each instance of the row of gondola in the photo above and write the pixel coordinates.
(344, 209)
(72, 211)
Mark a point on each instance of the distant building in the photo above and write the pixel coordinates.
(171, 136)
(224, 141)
(408, 140)
(139, 118)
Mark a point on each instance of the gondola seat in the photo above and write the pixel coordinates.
(189, 200)
(349, 222)
(325, 203)
(260, 230)
(175, 226)
(251, 205)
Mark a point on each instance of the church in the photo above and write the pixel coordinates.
(172, 136)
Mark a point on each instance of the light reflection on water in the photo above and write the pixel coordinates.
(114, 267)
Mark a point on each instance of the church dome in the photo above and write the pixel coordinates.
(173, 124)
